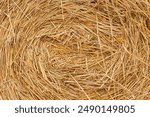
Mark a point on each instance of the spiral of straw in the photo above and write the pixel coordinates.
(74, 49)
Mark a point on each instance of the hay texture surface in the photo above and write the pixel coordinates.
(74, 49)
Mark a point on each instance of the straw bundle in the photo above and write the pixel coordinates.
(74, 49)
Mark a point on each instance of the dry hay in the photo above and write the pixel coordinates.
(74, 49)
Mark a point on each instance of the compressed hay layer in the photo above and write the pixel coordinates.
(74, 49)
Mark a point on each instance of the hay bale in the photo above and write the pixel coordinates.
(75, 49)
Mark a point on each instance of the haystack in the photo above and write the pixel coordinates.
(74, 49)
